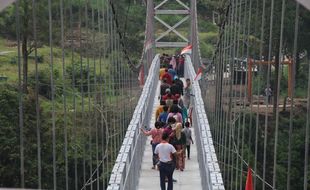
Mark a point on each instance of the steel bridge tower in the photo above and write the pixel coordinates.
(155, 9)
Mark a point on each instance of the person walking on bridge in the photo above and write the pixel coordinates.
(178, 140)
(167, 77)
(187, 93)
(166, 153)
(156, 139)
(189, 140)
(163, 87)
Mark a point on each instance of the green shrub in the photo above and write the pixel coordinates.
(209, 37)
(206, 49)
(207, 26)
(13, 61)
(78, 75)
(40, 58)
(44, 81)
(258, 83)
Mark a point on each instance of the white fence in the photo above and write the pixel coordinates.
(211, 176)
(125, 174)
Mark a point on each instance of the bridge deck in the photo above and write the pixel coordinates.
(189, 179)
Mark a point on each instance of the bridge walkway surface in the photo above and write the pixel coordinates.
(189, 179)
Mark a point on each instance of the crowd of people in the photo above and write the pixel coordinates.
(171, 134)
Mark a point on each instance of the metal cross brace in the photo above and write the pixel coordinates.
(165, 1)
(158, 11)
(173, 28)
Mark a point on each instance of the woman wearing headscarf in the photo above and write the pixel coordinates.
(178, 140)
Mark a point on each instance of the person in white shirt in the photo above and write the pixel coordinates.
(166, 153)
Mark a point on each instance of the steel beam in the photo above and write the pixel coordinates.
(181, 3)
(160, 4)
(173, 28)
(171, 44)
(159, 10)
(172, 12)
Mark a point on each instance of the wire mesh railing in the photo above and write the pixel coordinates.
(253, 93)
(126, 171)
(210, 172)
(69, 94)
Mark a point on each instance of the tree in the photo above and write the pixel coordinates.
(25, 28)
(25, 32)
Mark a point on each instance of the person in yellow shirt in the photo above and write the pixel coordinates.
(160, 109)
(161, 72)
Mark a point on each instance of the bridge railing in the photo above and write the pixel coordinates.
(211, 176)
(125, 173)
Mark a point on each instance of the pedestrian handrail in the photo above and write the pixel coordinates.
(211, 177)
(126, 170)
(125, 173)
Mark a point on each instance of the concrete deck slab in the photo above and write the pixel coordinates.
(189, 179)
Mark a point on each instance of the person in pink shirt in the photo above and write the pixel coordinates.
(156, 134)
(175, 114)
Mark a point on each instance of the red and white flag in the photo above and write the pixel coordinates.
(198, 75)
(141, 76)
(187, 50)
(249, 184)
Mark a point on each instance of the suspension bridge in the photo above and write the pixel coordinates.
(71, 104)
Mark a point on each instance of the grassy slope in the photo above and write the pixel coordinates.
(9, 68)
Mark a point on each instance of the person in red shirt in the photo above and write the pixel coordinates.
(163, 87)
(167, 76)
(168, 98)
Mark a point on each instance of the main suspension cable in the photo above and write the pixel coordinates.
(129, 62)
(38, 120)
(280, 60)
(20, 97)
(64, 91)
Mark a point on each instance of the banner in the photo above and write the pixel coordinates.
(187, 50)
(248, 184)
(199, 74)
